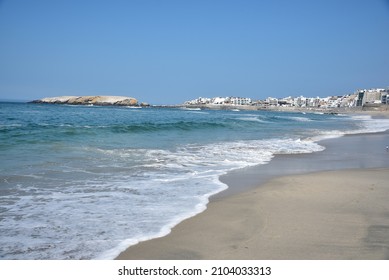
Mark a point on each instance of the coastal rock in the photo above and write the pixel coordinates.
(60, 99)
(90, 100)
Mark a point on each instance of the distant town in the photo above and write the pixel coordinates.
(365, 99)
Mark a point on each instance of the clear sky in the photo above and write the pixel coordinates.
(170, 51)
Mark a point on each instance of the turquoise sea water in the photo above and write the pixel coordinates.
(80, 182)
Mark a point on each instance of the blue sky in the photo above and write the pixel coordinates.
(169, 51)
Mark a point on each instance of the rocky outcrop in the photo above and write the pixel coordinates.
(90, 100)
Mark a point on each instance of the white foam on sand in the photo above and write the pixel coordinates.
(199, 166)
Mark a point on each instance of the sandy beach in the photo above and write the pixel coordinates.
(326, 215)
(329, 205)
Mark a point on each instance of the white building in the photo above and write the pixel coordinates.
(300, 101)
(271, 101)
(219, 100)
(240, 100)
(200, 100)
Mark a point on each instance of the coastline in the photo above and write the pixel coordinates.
(381, 110)
(326, 205)
(351, 151)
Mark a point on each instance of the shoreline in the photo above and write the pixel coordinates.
(382, 110)
(233, 217)
(321, 222)
(326, 160)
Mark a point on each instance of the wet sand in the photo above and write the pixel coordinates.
(326, 215)
(347, 152)
(336, 207)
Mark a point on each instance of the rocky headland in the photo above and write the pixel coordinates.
(90, 100)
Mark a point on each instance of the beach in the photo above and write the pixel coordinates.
(326, 205)
(141, 173)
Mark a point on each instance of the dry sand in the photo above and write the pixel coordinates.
(324, 215)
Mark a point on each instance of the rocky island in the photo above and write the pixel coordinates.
(90, 100)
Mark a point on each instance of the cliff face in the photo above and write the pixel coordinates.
(90, 100)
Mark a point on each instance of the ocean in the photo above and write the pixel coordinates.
(86, 182)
